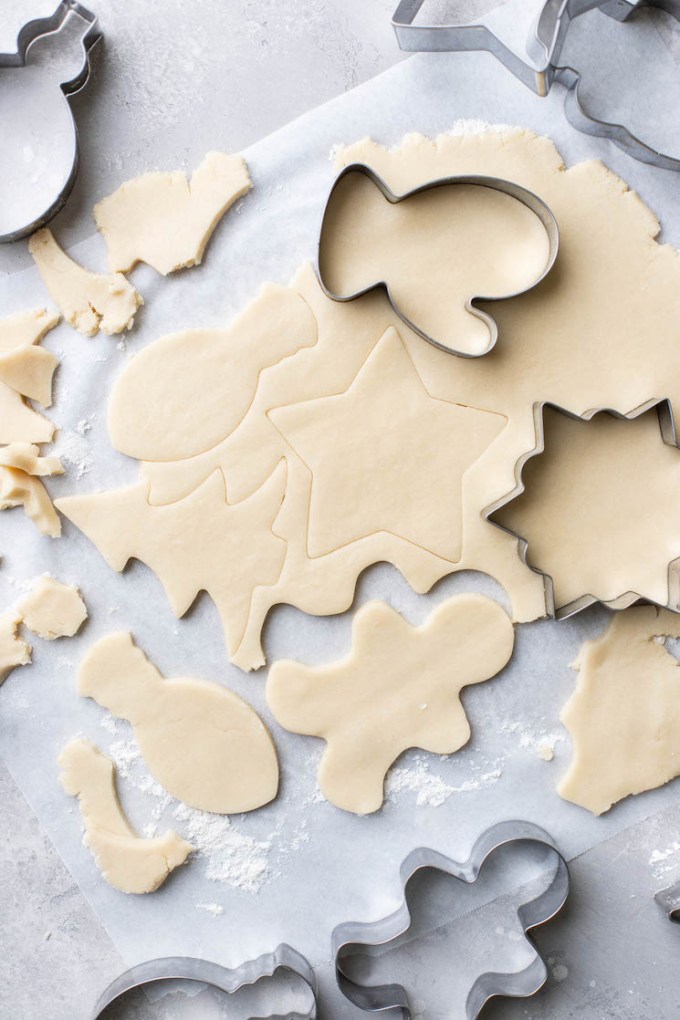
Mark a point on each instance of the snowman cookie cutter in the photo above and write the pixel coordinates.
(39, 158)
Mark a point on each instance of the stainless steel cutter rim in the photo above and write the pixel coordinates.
(546, 44)
(625, 599)
(186, 968)
(393, 999)
(516, 191)
(28, 34)
(669, 901)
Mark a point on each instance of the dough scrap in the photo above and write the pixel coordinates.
(415, 245)
(624, 717)
(126, 861)
(200, 543)
(88, 301)
(29, 370)
(165, 219)
(14, 651)
(398, 688)
(18, 488)
(600, 506)
(202, 742)
(52, 609)
(153, 408)
(18, 421)
(26, 457)
(360, 488)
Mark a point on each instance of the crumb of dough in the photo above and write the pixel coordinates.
(18, 488)
(88, 301)
(165, 219)
(546, 752)
(14, 651)
(52, 609)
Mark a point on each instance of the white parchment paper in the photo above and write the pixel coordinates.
(295, 869)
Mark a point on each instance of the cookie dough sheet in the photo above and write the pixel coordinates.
(294, 869)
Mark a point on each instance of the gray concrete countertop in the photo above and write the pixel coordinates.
(277, 60)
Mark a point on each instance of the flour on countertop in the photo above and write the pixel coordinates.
(212, 908)
(664, 860)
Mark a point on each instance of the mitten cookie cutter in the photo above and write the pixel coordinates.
(626, 599)
(393, 999)
(516, 191)
(186, 968)
(550, 34)
(39, 136)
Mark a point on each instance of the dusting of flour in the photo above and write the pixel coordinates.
(430, 789)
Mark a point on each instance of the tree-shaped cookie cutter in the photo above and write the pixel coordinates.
(626, 599)
(185, 968)
(546, 46)
(393, 999)
(39, 136)
(516, 191)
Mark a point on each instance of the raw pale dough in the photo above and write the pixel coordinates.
(166, 220)
(435, 250)
(624, 717)
(600, 508)
(202, 742)
(153, 408)
(200, 543)
(589, 335)
(14, 651)
(398, 688)
(88, 301)
(360, 488)
(52, 609)
(29, 370)
(18, 488)
(26, 457)
(126, 861)
(18, 421)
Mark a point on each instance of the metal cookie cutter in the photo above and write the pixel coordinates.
(284, 958)
(523, 195)
(669, 900)
(393, 999)
(550, 34)
(39, 156)
(626, 599)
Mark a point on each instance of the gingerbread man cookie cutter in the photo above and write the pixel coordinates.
(515, 191)
(185, 968)
(546, 46)
(39, 136)
(393, 1000)
(625, 599)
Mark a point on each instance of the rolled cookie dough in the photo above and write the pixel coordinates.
(126, 861)
(18, 421)
(202, 742)
(29, 370)
(52, 609)
(166, 220)
(14, 651)
(88, 301)
(18, 488)
(398, 688)
(26, 457)
(624, 717)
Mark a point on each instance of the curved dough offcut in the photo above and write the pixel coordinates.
(398, 688)
(18, 488)
(202, 742)
(19, 422)
(88, 301)
(624, 717)
(26, 457)
(166, 220)
(14, 651)
(52, 609)
(126, 861)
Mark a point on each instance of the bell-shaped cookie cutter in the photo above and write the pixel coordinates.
(186, 968)
(393, 999)
(65, 146)
(546, 46)
(626, 599)
(516, 191)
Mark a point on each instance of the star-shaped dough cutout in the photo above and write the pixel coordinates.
(599, 510)
(386, 456)
(398, 688)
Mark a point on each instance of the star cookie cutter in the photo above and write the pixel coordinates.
(393, 999)
(39, 136)
(516, 191)
(626, 599)
(186, 968)
(550, 34)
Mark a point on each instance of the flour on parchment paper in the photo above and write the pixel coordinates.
(429, 788)
(665, 859)
(75, 450)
